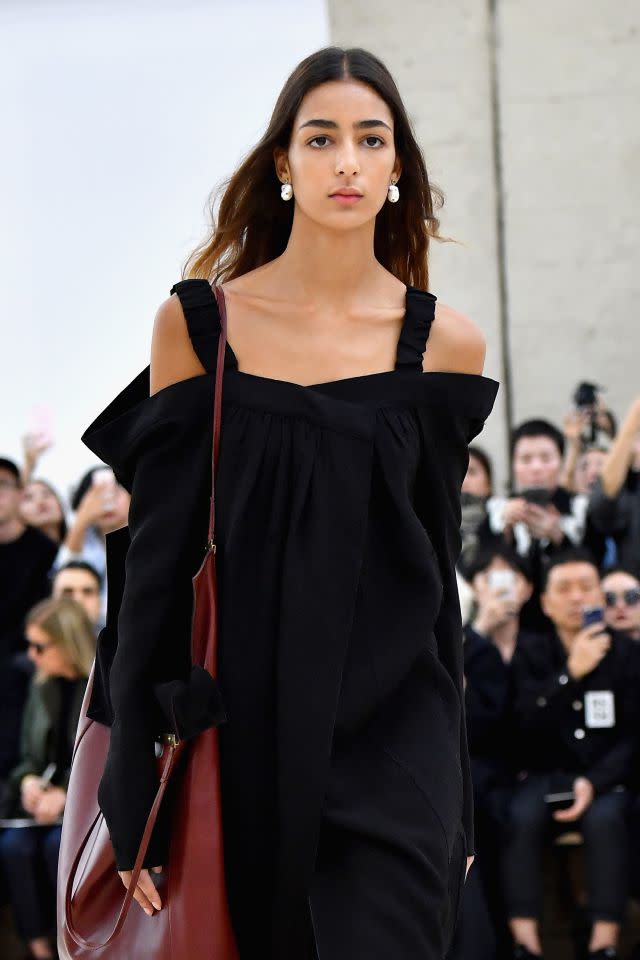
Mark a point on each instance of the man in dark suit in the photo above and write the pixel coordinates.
(575, 715)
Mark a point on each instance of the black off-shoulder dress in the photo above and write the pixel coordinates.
(347, 801)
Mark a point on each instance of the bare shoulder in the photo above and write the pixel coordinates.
(172, 355)
(456, 344)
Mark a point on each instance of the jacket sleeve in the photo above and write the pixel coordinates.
(160, 449)
(27, 762)
(458, 405)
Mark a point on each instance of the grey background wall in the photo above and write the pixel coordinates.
(529, 117)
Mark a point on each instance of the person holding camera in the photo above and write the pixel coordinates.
(575, 719)
(614, 505)
(540, 517)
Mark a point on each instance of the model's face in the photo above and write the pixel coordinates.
(570, 588)
(82, 587)
(342, 137)
(622, 601)
(536, 463)
(476, 481)
(39, 506)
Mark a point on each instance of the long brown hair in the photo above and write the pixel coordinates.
(253, 224)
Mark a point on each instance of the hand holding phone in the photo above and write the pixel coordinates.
(590, 645)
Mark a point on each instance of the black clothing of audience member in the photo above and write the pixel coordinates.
(24, 580)
(550, 718)
(619, 518)
(486, 700)
(570, 727)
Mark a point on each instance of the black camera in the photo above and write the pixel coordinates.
(586, 397)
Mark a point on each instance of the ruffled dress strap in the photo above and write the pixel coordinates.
(201, 313)
(419, 315)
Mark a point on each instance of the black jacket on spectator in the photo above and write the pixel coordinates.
(619, 517)
(486, 705)
(549, 711)
(47, 735)
(24, 580)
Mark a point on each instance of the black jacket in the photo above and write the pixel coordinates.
(549, 711)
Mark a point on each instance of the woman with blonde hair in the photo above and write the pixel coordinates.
(61, 644)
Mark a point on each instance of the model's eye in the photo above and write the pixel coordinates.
(315, 143)
(380, 141)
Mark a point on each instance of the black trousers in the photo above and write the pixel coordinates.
(29, 858)
(605, 831)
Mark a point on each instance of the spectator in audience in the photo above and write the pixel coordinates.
(575, 714)
(26, 557)
(477, 487)
(501, 582)
(62, 647)
(622, 602)
(42, 508)
(501, 586)
(101, 505)
(81, 582)
(579, 439)
(614, 506)
(541, 517)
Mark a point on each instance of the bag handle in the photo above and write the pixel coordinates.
(175, 749)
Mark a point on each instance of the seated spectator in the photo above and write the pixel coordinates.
(614, 505)
(26, 557)
(42, 508)
(81, 582)
(477, 487)
(541, 518)
(101, 505)
(501, 586)
(575, 715)
(62, 647)
(501, 583)
(622, 602)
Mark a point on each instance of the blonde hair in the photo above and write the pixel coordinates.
(68, 626)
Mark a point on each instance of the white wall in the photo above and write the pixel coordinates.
(118, 118)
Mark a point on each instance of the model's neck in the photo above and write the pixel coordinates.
(331, 266)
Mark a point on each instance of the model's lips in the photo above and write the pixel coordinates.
(346, 198)
(346, 192)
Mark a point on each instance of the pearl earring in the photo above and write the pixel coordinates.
(393, 194)
(286, 190)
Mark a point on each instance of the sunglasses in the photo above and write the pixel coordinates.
(38, 647)
(631, 597)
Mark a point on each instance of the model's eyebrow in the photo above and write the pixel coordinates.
(332, 125)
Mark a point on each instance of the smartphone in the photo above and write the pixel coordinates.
(541, 496)
(560, 801)
(503, 582)
(592, 615)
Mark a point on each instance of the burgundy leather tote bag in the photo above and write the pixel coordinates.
(95, 918)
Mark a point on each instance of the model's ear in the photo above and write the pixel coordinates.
(397, 169)
(281, 161)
